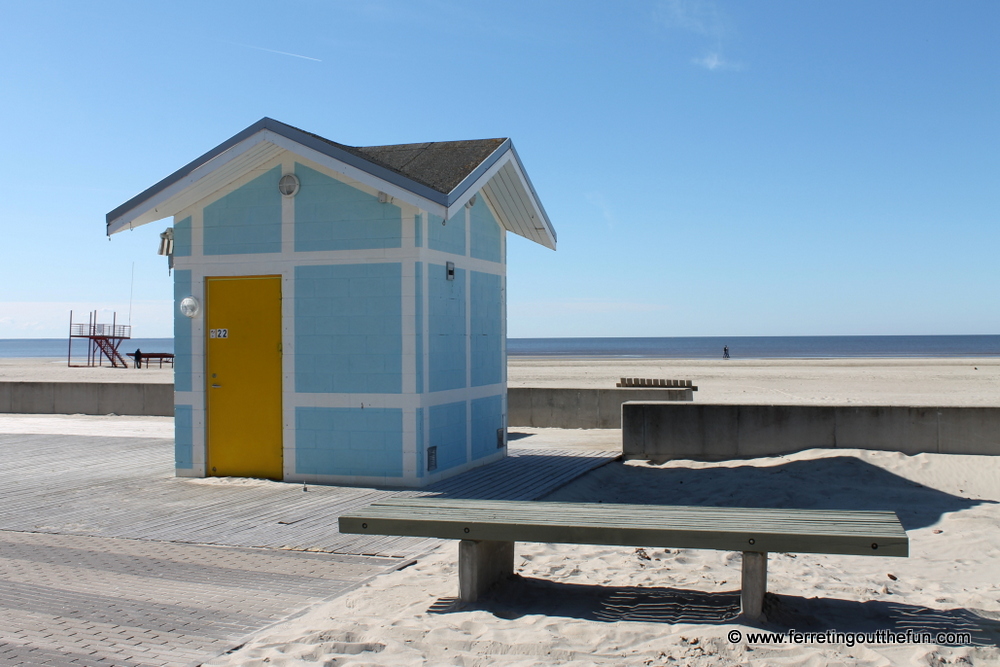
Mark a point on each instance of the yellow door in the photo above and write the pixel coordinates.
(243, 364)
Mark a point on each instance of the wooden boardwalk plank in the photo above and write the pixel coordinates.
(125, 487)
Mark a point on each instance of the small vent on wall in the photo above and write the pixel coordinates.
(432, 458)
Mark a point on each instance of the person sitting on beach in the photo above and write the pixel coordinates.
(138, 358)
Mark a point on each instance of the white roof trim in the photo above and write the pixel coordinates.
(510, 205)
(170, 200)
(504, 183)
(157, 206)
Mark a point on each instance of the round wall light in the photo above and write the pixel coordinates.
(288, 185)
(190, 307)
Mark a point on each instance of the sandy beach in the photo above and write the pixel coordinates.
(56, 370)
(938, 382)
(591, 605)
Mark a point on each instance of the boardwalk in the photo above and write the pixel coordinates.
(107, 558)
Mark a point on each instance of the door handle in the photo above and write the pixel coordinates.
(216, 386)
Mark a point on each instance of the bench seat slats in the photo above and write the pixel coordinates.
(734, 527)
(761, 523)
(728, 528)
(520, 506)
(640, 515)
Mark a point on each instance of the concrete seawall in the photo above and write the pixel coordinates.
(87, 398)
(662, 431)
(527, 406)
(545, 407)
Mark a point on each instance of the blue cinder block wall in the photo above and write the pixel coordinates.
(384, 356)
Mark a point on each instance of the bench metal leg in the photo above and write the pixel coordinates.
(482, 564)
(754, 584)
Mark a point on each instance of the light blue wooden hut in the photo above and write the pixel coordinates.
(340, 311)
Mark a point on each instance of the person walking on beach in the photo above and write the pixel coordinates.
(138, 358)
(725, 351)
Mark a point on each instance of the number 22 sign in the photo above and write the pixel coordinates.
(218, 333)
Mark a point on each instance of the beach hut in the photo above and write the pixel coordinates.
(340, 311)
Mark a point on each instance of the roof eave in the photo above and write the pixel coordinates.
(120, 214)
(509, 216)
(548, 232)
(524, 216)
(470, 181)
(123, 216)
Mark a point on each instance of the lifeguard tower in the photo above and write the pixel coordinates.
(102, 341)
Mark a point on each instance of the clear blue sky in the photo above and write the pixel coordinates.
(711, 168)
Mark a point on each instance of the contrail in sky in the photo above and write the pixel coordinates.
(283, 53)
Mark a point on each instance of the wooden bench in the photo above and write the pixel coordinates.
(646, 383)
(488, 530)
(147, 357)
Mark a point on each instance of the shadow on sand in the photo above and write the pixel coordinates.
(787, 612)
(522, 596)
(839, 482)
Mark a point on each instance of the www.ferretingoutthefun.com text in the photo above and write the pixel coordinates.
(850, 638)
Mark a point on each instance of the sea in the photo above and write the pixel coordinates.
(760, 347)
(699, 347)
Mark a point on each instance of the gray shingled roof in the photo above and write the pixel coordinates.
(440, 165)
